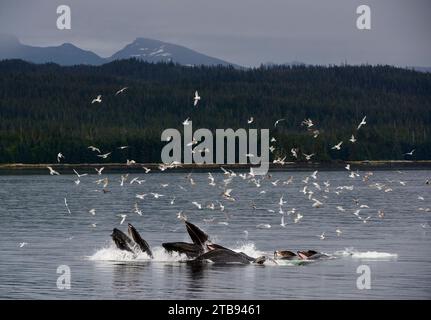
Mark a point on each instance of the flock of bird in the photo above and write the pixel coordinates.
(315, 191)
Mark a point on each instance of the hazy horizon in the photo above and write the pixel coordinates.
(244, 32)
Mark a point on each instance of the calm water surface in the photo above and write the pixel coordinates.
(396, 248)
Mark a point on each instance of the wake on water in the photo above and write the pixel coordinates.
(112, 253)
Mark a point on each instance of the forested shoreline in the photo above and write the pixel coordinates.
(46, 109)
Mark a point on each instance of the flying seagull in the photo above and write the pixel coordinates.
(337, 146)
(278, 121)
(363, 122)
(121, 91)
(196, 98)
(98, 99)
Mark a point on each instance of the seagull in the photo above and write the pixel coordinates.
(141, 196)
(92, 211)
(146, 169)
(123, 218)
(80, 175)
(22, 244)
(137, 209)
(181, 216)
(308, 123)
(381, 214)
(409, 153)
(98, 99)
(347, 167)
(277, 122)
(99, 171)
(156, 195)
(52, 171)
(77, 181)
(93, 148)
(196, 98)
(281, 202)
(314, 175)
(294, 152)
(249, 121)
(337, 146)
(186, 122)
(67, 206)
(316, 133)
(226, 195)
(130, 162)
(352, 139)
(298, 217)
(104, 156)
(59, 156)
(121, 91)
(308, 156)
(322, 236)
(122, 147)
(211, 178)
(283, 224)
(263, 226)
(172, 201)
(363, 122)
(339, 232)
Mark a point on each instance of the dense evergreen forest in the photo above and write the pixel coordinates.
(46, 109)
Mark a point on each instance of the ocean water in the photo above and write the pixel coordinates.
(396, 248)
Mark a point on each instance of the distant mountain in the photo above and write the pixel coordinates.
(157, 51)
(67, 54)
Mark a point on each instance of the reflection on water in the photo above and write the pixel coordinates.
(396, 248)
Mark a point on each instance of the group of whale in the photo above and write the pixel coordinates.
(202, 249)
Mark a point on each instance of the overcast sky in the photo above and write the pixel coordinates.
(246, 32)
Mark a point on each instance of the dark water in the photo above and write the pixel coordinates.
(396, 248)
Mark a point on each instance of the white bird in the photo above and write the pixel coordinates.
(339, 232)
(98, 99)
(337, 146)
(146, 169)
(281, 202)
(314, 175)
(196, 99)
(352, 139)
(99, 171)
(298, 217)
(104, 156)
(308, 156)
(322, 236)
(181, 216)
(263, 226)
(67, 206)
(278, 121)
(92, 211)
(122, 147)
(347, 167)
(283, 224)
(141, 196)
(139, 212)
(121, 91)
(123, 218)
(186, 122)
(22, 244)
(294, 152)
(93, 148)
(52, 171)
(410, 153)
(173, 200)
(59, 156)
(421, 198)
(249, 121)
(80, 175)
(211, 178)
(363, 122)
(77, 181)
(156, 195)
(130, 162)
(94, 225)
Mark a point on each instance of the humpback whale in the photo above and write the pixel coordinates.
(191, 250)
(123, 242)
(311, 255)
(143, 245)
(284, 255)
(224, 255)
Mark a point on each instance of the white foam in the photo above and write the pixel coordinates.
(365, 254)
(112, 253)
